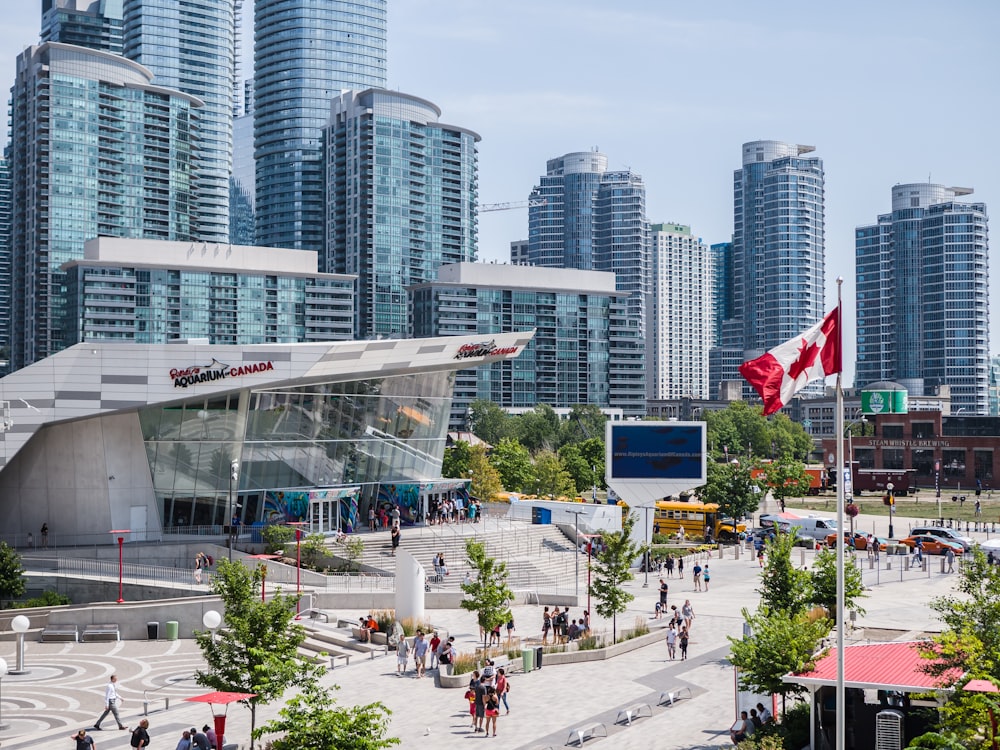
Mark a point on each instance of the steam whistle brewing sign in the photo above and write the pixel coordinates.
(484, 349)
(217, 370)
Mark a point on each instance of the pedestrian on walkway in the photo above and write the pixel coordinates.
(402, 656)
(546, 624)
(696, 572)
(706, 576)
(669, 565)
(420, 653)
(395, 538)
(683, 638)
(492, 710)
(687, 612)
(671, 641)
(503, 687)
(664, 588)
(680, 567)
(83, 740)
(140, 735)
(434, 645)
(112, 700)
(45, 536)
(949, 556)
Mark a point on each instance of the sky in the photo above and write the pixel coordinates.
(888, 92)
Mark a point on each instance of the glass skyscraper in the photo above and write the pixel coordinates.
(778, 253)
(96, 150)
(923, 296)
(96, 24)
(402, 190)
(583, 352)
(306, 52)
(583, 216)
(190, 46)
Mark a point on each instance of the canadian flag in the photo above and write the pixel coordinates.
(786, 369)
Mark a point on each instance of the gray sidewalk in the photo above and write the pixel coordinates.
(64, 690)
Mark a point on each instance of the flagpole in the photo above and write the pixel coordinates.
(841, 481)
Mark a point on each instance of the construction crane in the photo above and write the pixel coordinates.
(485, 207)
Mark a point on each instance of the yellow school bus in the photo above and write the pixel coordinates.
(694, 517)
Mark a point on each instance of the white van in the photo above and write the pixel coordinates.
(813, 527)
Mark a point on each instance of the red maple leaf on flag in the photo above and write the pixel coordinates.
(807, 357)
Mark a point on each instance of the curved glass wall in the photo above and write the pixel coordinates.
(386, 436)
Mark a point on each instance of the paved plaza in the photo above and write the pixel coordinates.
(64, 690)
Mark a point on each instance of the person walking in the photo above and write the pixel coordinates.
(395, 538)
(664, 589)
(112, 700)
(687, 612)
(669, 565)
(680, 567)
(696, 574)
(949, 556)
(371, 518)
(706, 576)
(492, 710)
(45, 536)
(402, 655)
(671, 642)
(433, 647)
(546, 624)
(683, 638)
(140, 735)
(83, 740)
(420, 653)
(503, 687)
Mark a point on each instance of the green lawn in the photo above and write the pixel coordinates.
(921, 505)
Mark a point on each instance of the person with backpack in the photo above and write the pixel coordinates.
(503, 687)
(140, 735)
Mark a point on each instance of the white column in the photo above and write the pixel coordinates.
(410, 577)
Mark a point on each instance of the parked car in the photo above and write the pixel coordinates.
(860, 541)
(933, 545)
(942, 532)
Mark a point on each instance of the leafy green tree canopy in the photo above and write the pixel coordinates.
(786, 477)
(824, 583)
(551, 478)
(485, 479)
(783, 587)
(732, 487)
(487, 594)
(456, 460)
(513, 463)
(12, 583)
(614, 568)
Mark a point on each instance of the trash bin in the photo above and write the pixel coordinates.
(538, 656)
(152, 631)
(528, 659)
(171, 630)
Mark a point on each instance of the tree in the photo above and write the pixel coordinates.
(780, 642)
(585, 422)
(614, 568)
(488, 594)
(732, 488)
(782, 586)
(11, 574)
(311, 721)
(485, 479)
(312, 548)
(257, 649)
(513, 463)
(786, 477)
(824, 583)
(551, 478)
(489, 422)
(456, 460)
(276, 536)
(539, 428)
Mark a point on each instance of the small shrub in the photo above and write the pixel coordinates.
(385, 618)
(354, 548)
(554, 648)
(641, 627)
(588, 643)
(47, 599)
(411, 626)
(276, 537)
(464, 663)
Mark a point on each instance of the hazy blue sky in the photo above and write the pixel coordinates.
(887, 92)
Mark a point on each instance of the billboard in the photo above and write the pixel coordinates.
(884, 402)
(656, 451)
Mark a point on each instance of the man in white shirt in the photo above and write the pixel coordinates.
(111, 702)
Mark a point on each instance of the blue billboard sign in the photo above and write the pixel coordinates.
(664, 451)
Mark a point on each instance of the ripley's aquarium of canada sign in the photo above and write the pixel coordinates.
(483, 349)
(215, 371)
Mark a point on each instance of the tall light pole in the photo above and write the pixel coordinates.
(121, 559)
(234, 478)
(892, 505)
(576, 545)
(593, 477)
(298, 563)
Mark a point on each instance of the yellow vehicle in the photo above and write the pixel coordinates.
(695, 518)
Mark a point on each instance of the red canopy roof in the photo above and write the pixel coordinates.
(219, 697)
(883, 666)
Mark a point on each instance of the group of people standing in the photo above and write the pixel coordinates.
(562, 628)
(487, 690)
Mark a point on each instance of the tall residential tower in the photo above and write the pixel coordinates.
(777, 255)
(923, 296)
(306, 52)
(402, 190)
